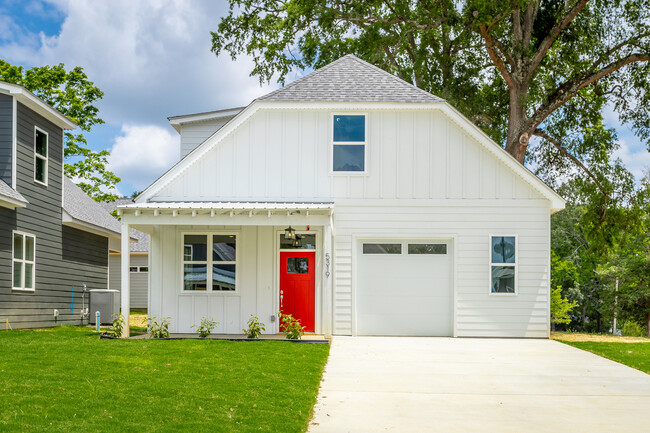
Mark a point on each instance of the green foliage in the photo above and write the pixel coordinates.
(71, 93)
(206, 327)
(66, 379)
(118, 324)
(633, 329)
(158, 328)
(635, 355)
(291, 327)
(255, 327)
(560, 307)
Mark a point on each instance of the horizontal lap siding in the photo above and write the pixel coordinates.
(65, 257)
(477, 313)
(139, 281)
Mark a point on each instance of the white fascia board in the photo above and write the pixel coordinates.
(70, 221)
(177, 121)
(557, 202)
(11, 203)
(35, 103)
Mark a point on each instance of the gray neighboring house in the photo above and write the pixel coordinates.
(54, 239)
(139, 262)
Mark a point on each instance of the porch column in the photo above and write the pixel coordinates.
(328, 260)
(125, 290)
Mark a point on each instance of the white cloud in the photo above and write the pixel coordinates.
(634, 156)
(142, 153)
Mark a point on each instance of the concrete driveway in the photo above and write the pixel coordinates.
(377, 384)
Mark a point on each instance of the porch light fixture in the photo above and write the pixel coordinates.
(289, 233)
(297, 242)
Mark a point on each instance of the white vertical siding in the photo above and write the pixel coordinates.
(193, 134)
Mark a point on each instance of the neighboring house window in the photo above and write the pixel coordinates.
(349, 143)
(216, 271)
(140, 269)
(24, 261)
(40, 156)
(503, 264)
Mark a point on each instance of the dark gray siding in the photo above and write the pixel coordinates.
(65, 257)
(6, 128)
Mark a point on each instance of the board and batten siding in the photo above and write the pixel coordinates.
(6, 138)
(64, 256)
(139, 280)
(195, 133)
(426, 177)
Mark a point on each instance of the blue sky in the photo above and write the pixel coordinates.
(152, 59)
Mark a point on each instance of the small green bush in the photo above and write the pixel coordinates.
(633, 329)
(291, 327)
(255, 327)
(118, 324)
(158, 328)
(206, 326)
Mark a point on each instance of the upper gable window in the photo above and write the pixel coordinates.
(40, 156)
(349, 147)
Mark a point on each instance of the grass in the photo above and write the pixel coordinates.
(67, 379)
(635, 355)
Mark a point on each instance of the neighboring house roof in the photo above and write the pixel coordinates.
(177, 121)
(32, 101)
(142, 239)
(350, 79)
(82, 212)
(11, 198)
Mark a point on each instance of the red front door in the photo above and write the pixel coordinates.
(297, 284)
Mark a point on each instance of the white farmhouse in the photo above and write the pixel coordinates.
(354, 201)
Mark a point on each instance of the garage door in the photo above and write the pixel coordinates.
(404, 288)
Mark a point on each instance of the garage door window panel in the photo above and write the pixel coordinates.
(503, 264)
(427, 249)
(372, 248)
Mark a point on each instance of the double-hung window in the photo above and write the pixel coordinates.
(349, 143)
(40, 156)
(24, 261)
(503, 264)
(209, 262)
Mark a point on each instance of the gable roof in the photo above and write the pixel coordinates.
(84, 213)
(350, 79)
(35, 103)
(11, 198)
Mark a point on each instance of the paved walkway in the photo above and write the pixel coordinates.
(384, 384)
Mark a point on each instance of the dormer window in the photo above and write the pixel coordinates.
(349, 143)
(40, 156)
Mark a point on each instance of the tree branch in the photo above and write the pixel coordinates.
(546, 43)
(492, 51)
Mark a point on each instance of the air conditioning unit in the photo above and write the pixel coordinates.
(107, 302)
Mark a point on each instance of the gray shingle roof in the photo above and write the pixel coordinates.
(85, 209)
(9, 192)
(142, 244)
(350, 79)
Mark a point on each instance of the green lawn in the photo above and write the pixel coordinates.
(68, 380)
(636, 355)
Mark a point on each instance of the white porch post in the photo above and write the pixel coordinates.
(125, 290)
(328, 260)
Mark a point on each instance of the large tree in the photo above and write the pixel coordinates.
(518, 68)
(71, 93)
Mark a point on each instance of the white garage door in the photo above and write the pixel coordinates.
(404, 288)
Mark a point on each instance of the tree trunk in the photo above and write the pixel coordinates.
(519, 126)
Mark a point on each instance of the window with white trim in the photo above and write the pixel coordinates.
(349, 143)
(24, 261)
(40, 156)
(503, 265)
(209, 271)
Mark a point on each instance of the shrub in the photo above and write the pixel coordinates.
(118, 324)
(206, 326)
(158, 328)
(633, 329)
(561, 307)
(255, 327)
(291, 326)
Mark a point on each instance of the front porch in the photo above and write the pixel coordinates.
(223, 261)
